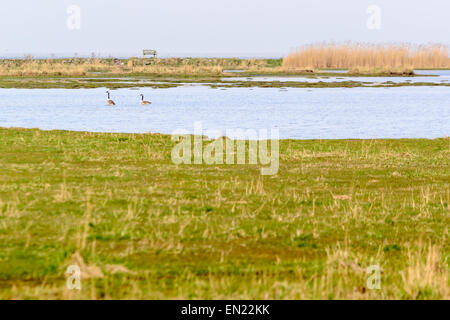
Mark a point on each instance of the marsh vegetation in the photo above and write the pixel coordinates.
(369, 58)
(132, 66)
(141, 227)
(365, 59)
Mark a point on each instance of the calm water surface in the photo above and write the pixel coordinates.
(433, 76)
(298, 113)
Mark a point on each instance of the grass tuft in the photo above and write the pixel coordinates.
(140, 227)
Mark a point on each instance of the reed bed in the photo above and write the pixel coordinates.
(360, 57)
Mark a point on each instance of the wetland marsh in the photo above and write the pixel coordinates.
(363, 180)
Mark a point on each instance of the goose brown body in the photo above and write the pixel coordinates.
(144, 101)
(109, 101)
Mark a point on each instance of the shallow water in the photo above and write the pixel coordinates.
(298, 113)
(433, 76)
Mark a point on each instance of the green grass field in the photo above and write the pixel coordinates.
(142, 227)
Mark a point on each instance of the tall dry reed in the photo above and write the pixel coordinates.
(358, 55)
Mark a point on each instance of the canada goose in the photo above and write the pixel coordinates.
(144, 101)
(109, 101)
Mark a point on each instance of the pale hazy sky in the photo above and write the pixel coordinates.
(231, 27)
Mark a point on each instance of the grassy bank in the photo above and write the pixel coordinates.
(141, 227)
(173, 67)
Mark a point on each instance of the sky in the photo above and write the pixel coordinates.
(211, 27)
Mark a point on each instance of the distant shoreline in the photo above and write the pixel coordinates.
(183, 68)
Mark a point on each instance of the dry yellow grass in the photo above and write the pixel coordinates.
(169, 66)
(368, 56)
(84, 67)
